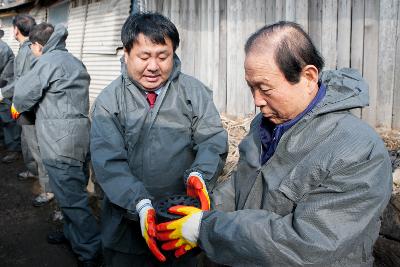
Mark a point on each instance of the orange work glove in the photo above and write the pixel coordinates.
(196, 187)
(14, 113)
(181, 235)
(147, 216)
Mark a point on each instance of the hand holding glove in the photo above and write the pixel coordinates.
(196, 187)
(14, 113)
(147, 216)
(181, 235)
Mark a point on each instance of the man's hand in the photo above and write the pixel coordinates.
(147, 216)
(14, 113)
(197, 188)
(181, 235)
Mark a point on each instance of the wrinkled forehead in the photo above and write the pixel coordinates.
(260, 64)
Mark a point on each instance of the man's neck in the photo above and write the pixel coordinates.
(21, 39)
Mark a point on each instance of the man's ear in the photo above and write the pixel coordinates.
(16, 31)
(126, 55)
(310, 74)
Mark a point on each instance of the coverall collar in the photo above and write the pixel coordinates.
(57, 39)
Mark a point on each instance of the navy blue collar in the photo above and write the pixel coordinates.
(270, 134)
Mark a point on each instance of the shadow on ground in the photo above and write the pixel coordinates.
(23, 228)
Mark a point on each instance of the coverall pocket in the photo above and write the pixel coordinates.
(68, 137)
(302, 180)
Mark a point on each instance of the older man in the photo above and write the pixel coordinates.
(312, 179)
(155, 133)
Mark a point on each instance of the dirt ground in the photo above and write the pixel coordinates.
(23, 228)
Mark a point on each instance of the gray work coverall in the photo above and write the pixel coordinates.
(138, 152)
(316, 201)
(6, 64)
(11, 130)
(6, 76)
(59, 90)
(29, 144)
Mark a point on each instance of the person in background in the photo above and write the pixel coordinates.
(8, 126)
(312, 179)
(22, 25)
(155, 132)
(11, 130)
(59, 93)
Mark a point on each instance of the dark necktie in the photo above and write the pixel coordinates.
(151, 98)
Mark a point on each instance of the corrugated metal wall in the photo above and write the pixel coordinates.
(362, 34)
(94, 37)
(76, 29)
(103, 26)
(103, 69)
(6, 26)
(102, 47)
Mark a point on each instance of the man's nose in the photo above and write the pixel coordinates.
(152, 66)
(258, 99)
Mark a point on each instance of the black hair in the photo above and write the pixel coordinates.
(41, 33)
(154, 26)
(293, 49)
(1, 33)
(24, 23)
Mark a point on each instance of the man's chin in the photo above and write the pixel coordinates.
(274, 120)
(151, 86)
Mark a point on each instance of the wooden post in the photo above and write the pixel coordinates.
(386, 61)
(396, 93)
(370, 62)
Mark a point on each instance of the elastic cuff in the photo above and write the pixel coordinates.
(196, 174)
(191, 172)
(143, 204)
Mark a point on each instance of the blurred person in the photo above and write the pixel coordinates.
(6, 62)
(22, 25)
(59, 93)
(11, 130)
(6, 76)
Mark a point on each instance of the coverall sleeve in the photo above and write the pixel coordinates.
(6, 68)
(110, 160)
(210, 140)
(8, 90)
(22, 63)
(324, 226)
(4, 58)
(29, 88)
